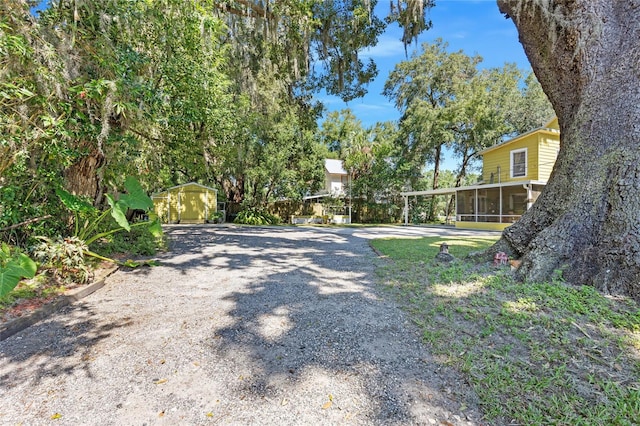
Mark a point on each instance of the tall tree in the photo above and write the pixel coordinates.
(585, 53)
(496, 104)
(192, 108)
(34, 110)
(533, 109)
(428, 90)
(338, 132)
(142, 81)
(371, 160)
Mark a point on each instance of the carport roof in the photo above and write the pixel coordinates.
(445, 191)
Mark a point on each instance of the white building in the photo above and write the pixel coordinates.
(336, 178)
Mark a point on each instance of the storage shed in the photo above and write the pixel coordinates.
(188, 203)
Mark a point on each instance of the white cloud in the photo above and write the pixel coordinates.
(374, 107)
(458, 35)
(386, 47)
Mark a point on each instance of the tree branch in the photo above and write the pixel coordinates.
(144, 135)
(258, 10)
(26, 222)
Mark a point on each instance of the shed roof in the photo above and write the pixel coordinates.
(188, 184)
(334, 167)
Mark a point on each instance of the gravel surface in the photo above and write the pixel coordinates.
(239, 325)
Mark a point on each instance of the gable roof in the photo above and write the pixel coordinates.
(553, 124)
(334, 167)
(549, 128)
(188, 184)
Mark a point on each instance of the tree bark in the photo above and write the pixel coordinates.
(233, 191)
(82, 177)
(435, 183)
(586, 222)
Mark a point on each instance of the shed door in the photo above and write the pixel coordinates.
(192, 204)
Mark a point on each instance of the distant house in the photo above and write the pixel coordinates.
(513, 175)
(336, 182)
(336, 178)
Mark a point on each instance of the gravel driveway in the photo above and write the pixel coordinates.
(239, 325)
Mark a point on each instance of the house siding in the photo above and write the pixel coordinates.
(335, 184)
(549, 146)
(501, 158)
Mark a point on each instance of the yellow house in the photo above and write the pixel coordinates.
(188, 203)
(513, 175)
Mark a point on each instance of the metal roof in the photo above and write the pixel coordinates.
(445, 191)
(335, 167)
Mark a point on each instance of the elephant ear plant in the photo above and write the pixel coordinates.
(90, 231)
(14, 266)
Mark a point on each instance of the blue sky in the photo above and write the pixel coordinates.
(474, 26)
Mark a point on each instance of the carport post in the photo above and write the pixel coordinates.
(406, 210)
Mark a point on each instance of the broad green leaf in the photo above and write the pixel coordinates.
(5, 251)
(28, 267)
(72, 202)
(14, 271)
(110, 200)
(136, 198)
(9, 278)
(155, 227)
(119, 213)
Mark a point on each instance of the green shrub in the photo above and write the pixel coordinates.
(254, 216)
(64, 258)
(139, 241)
(113, 220)
(216, 217)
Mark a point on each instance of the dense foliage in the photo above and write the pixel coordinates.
(220, 93)
(255, 216)
(217, 92)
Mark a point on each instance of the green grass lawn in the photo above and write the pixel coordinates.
(535, 353)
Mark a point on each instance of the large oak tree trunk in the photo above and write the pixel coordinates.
(586, 222)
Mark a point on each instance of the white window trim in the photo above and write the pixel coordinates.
(526, 162)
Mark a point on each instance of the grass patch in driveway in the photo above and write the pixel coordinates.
(535, 353)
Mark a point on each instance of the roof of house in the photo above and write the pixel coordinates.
(549, 128)
(334, 167)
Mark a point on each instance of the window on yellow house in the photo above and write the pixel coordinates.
(519, 163)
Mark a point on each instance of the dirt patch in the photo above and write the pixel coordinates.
(35, 294)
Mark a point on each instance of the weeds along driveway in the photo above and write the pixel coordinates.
(239, 325)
